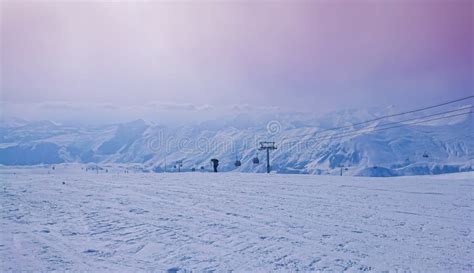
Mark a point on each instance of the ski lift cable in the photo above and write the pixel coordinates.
(387, 128)
(386, 116)
(386, 124)
(390, 123)
(408, 120)
(401, 125)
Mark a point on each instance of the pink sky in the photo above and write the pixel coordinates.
(314, 56)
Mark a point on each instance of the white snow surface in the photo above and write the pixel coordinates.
(134, 222)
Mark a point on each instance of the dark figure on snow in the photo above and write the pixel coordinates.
(215, 164)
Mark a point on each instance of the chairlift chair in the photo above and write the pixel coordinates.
(237, 162)
(255, 160)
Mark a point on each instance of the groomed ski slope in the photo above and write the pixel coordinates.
(231, 221)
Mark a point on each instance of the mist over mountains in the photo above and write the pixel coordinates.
(304, 144)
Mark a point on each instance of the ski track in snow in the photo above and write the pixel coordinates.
(232, 221)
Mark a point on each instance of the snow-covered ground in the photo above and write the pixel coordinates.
(234, 221)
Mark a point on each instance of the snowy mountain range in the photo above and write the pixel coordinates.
(305, 145)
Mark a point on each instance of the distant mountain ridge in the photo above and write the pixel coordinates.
(303, 146)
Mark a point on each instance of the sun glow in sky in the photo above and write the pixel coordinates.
(300, 55)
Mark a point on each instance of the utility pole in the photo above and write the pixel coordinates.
(343, 168)
(267, 145)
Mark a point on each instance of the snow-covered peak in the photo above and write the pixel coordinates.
(305, 145)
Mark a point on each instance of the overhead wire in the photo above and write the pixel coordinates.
(391, 123)
(386, 116)
(370, 130)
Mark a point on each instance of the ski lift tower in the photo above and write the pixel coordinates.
(179, 163)
(267, 145)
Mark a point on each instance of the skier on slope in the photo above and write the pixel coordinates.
(215, 164)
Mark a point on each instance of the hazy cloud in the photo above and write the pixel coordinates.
(193, 59)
